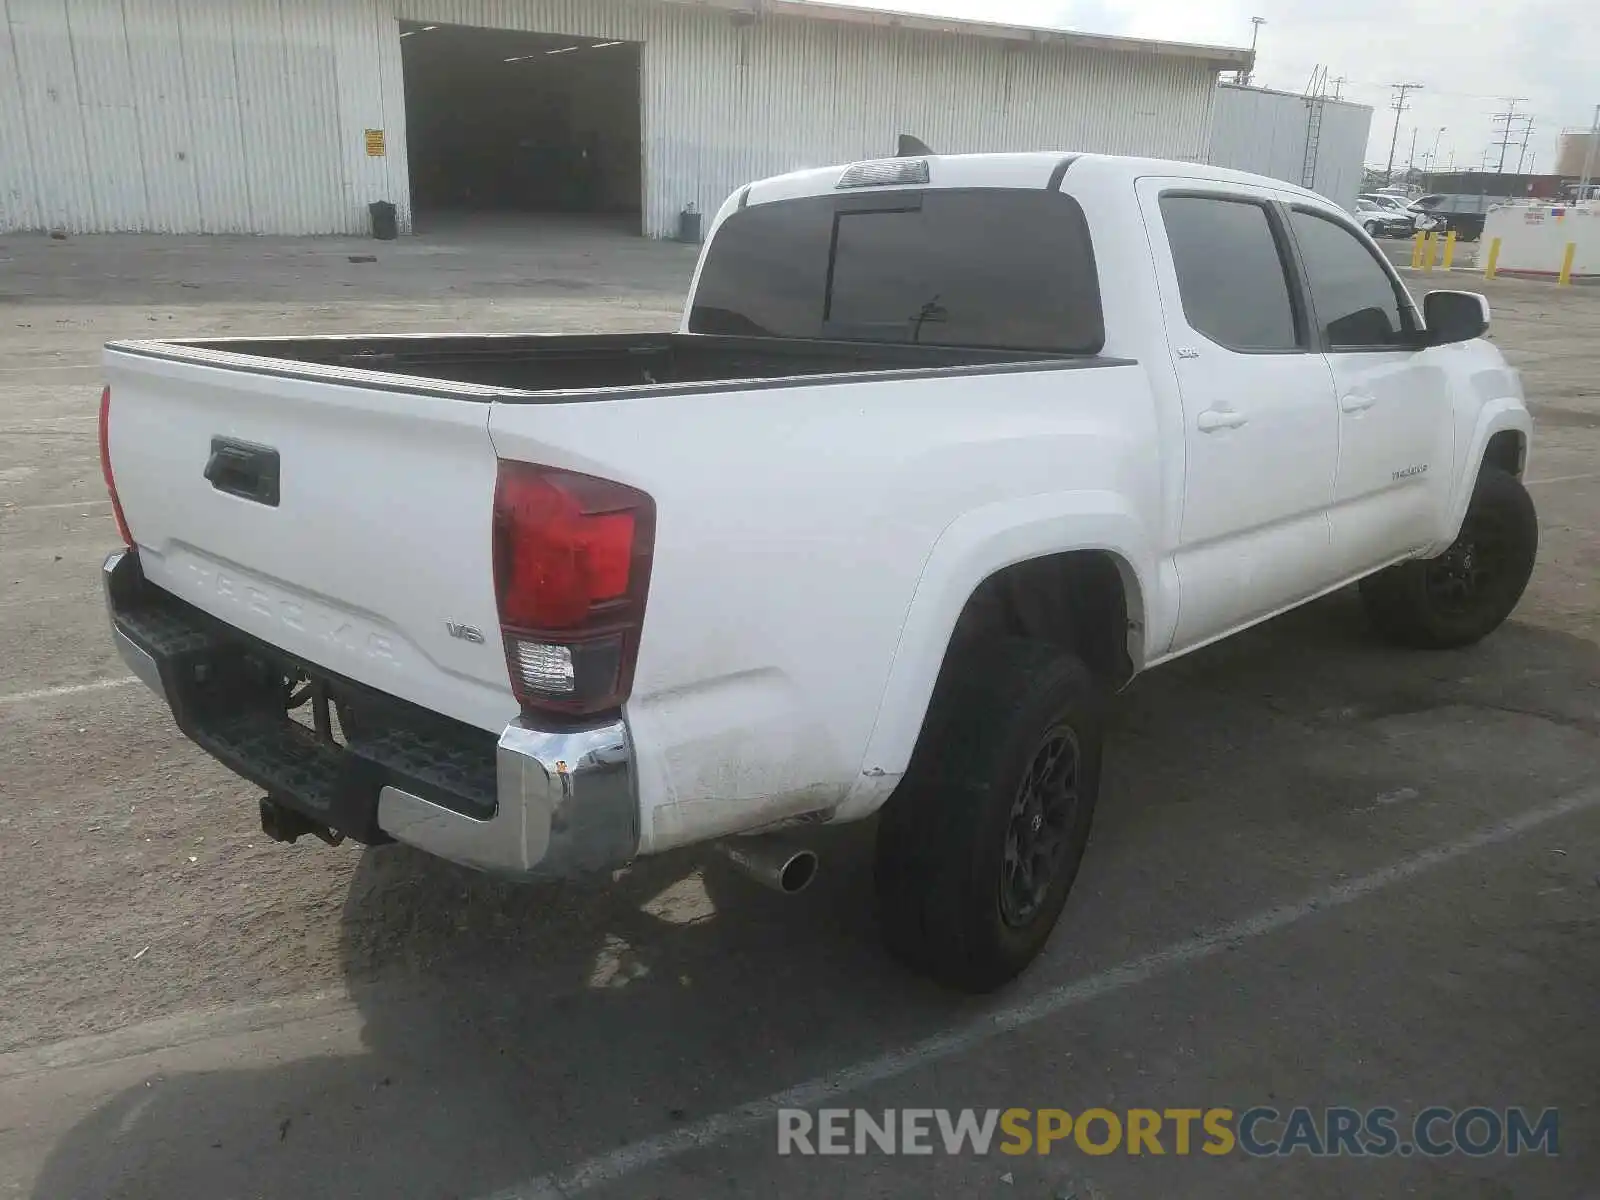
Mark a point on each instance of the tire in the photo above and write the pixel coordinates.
(1373, 229)
(1466, 593)
(954, 897)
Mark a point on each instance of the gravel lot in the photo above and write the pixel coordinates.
(441, 1035)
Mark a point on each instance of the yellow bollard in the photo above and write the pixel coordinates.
(1494, 258)
(1429, 247)
(1565, 278)
(1449, 249)
(1416, 251)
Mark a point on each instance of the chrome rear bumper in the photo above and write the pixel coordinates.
(565, 804)
(558, 802)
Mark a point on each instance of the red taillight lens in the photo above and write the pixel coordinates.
(572, 565)
(105, 467)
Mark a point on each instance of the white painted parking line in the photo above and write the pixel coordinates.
(164, 1034)
(638, 1156)
(74, 689)
(17, 508)
(41, 602)
(50, 367)
(1565, 478)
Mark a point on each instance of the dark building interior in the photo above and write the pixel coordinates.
(505, 121)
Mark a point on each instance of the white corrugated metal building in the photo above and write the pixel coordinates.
(291, 116)
(1281, 134)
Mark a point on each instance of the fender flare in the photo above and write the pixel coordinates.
(1498, 416)
(971, 549)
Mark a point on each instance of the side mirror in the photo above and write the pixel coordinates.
(1454, 317)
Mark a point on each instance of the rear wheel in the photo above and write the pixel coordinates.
(979, 847)
(1467, 592)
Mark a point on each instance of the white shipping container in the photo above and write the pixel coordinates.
(1256, 129)
(1534, 238)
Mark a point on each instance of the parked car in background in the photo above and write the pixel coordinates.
(1381, 221)
(1463, 214)
(1416, 218)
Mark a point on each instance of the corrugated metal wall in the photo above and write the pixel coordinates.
(1262, 131)
(725, 102)
(195, 116)
(248, 115)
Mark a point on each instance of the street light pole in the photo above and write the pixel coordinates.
(1433, 158)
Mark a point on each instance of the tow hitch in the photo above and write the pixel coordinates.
(283, 824)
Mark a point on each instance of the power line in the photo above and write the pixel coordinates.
(1401, 91)
(1376, 84)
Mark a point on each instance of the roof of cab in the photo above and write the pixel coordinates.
(1029, 169)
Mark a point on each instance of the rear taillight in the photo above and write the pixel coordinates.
(571, 571)
(105, 467)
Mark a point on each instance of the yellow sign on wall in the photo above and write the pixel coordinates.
(375, 143)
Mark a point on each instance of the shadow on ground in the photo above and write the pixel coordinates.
(511, 1032)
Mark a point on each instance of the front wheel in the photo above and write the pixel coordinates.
(1467, 592)
(980, 845)
(1373, 228)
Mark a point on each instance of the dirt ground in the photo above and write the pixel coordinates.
(476, 1036)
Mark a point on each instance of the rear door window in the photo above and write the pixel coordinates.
(986, 268)
(1231, 273)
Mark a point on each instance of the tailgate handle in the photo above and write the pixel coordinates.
(244, 469)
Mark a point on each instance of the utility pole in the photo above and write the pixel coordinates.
(1411, 159)
(1338, 87)
(1255, 30)
(1527, 132)
(1401, 91)
(1588, 158)
(1505, 119)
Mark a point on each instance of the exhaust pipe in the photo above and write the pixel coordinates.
(772, 863)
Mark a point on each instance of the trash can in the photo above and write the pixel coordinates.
(385, 226)
(689, 226)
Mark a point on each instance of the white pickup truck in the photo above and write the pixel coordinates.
(945, 451)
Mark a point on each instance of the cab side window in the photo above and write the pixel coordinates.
(1357, 304)
(1231, 274)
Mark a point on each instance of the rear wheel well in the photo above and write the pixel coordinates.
(1079, 600)
(1506, 451)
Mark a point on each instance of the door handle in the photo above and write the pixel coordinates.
(1357, 402)
(1214, 419)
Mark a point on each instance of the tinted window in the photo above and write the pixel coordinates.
(1356, 302)
(988, 268)
(1230, 274)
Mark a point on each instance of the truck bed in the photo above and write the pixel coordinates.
(533, 366)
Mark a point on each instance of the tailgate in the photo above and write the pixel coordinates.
(349, 526)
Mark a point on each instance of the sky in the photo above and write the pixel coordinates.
(1470, 58)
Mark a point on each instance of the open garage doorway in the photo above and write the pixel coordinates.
(503, 121)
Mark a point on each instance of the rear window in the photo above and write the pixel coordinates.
(987, 268)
